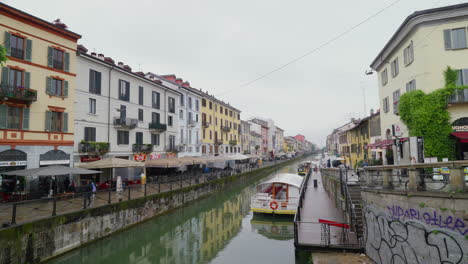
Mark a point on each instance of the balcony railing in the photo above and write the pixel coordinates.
(174, 149)
(218, 142)
(205, 124)
(18, 93)
(191, 123)
(17, 53)
(232, 142)
(459, 96)
(94, 147)
(142, 148)
(396, 110)
(157, 127)
(225, 129)
(129, 123)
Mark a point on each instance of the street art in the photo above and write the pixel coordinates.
(390, 240)
(430, 218)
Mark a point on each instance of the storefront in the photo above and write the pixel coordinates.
(460, 134)
(12, 160)
(59, 183)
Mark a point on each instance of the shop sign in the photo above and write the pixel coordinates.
(89, 159)
(54, 162)
(13, 163)
(139, 157)
(154, 156)
(460, 128)
(397, 131)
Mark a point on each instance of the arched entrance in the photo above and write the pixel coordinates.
(460, 133)
(11, 160)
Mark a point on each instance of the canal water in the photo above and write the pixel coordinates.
(219, 229)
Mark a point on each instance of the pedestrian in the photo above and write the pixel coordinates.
(89, 192)
(66, 184)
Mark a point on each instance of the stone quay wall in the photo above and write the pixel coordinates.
(44, 239)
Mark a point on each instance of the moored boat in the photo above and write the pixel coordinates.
(304, 168)
(279, 195)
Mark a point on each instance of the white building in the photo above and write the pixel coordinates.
(189, 114)
(279, 143)
(120, 113)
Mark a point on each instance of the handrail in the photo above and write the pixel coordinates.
(297, 215)
(350, 207)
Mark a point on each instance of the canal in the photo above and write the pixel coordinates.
(219, 229)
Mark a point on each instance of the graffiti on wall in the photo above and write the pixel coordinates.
(390, 239)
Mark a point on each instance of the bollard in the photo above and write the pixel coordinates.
(159, 187)
(13, 215)
(109, 198)
(315, 183)
(128, 193)
(54, 208)
(145, 190)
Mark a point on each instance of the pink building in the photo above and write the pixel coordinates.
(300, 137)
(264, 139)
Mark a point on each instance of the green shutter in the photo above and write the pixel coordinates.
(27, 80)
(5, 74)
(25, 118)
(48, 121)
(7, 43)
(67, 61)
(65, 88)
(65, 122)
(49, 57)
(48, 85)
(3, 115)
(28, 49)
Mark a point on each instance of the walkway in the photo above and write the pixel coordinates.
(318, 205)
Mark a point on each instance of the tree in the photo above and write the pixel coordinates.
(3, 57)
(256, 149)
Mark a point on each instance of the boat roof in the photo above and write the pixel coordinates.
(288, 178)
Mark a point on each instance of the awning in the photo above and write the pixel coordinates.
(462, 136)
(384, 144)
(51, 171)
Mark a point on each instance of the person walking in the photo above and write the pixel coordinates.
(89, 191)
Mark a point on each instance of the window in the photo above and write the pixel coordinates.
(140, 114)
(14, 117)
(221, 109)
(181, 136)
(190, 102)
(225, 111)
(230, 113)
(171, 105)
(190, 117)
(190, 136)
(155, 139)
(462, 77)
(204, 133)
(17, 47)
(172, 142)
(384, 77)
(57, 59)
(182, 100)
(216, 121)
(169, 120)
(122, 137)
(196, 118)
(90, 134)
(411, 86)
(396, 96)
(156, 100)
(92, 106)
(15, 78)
(56, 121)
(123, 112)
(394, 67)
(197, 105)
(181, 114)
(216, 108)
(211, 134)
(57, 87)
(385, 105)
(140, 95)
(155, 118)
(408, 54)
(139, 138)
(238, 116)
(94, 82)
(124, 90)
(211, 105)
(455, 38)
(203, 102)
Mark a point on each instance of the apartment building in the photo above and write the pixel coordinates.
(279, 140)
(416, 57)
(245, 137)
(121, 113)
(37, 91)
(260, 127)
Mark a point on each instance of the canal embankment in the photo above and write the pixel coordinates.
(44, 239)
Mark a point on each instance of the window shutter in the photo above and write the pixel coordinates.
(67, 61)
(465, 77)
(7, 43)
(5, 74)
(27, 80)
(98, 83)
(65, 88)
(459, 80)
(92, 81)
(3, 115)
(26, 118)
(65, 122)
(28, 49)
(405, 56)
(447, 39)
(48, 85)
(48, 121)
(49, 57)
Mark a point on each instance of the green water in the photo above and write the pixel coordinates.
(219, 229)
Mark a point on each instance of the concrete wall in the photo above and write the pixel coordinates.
(43, 239)
(416, 228)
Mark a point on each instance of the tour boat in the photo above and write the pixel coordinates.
(279, 195)
(304, 168)
(277, 228)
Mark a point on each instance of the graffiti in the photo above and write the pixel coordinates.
(434, 219)
(389, 240)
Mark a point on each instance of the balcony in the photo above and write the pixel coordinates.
(225, 129)
(18, 93)
(191, 123)
(218, 141)
(174, 149)
(232, 142)
(157, 127)
(460, 96)
(93, 147)
(146, 148)
(396, 110)
(17, 53)
(206, 124)
(128, 123)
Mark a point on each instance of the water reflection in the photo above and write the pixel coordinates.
(273, 227)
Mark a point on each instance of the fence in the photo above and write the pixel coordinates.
(26, 211)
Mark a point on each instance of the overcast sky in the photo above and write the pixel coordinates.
(220, 45)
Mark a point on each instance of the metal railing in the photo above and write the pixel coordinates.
(297, 216)
(350, 208)
(18, 93)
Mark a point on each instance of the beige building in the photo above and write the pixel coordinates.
(37, 91)
(245, 137)
(416, 57)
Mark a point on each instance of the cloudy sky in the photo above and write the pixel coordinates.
(221, 46)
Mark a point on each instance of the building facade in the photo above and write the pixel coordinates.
(416, 57)
(120, 113)
(37, 92)
(255, 143)
(245, 137)
(279, 138)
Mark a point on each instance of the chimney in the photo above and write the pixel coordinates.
(101, 56)
(121, 65)
(93, 54)
(371, 111)
(109, 60)
(127, 68)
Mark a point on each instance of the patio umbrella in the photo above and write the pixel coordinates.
(110, 163)
(236, 156)
(193, 160)
(165, 163)
(51, 171)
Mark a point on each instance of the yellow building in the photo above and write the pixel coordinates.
(220, 127)
(36, 92)
(359, 138)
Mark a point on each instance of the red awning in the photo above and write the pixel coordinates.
(384, 144)
(462, 136)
